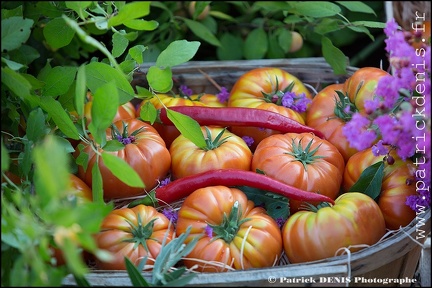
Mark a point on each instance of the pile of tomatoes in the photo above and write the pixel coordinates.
(233, 232)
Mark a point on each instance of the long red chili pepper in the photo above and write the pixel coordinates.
(182, 187)
(239, 116)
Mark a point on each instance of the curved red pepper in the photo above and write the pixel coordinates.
(180, 188)
(239, 116)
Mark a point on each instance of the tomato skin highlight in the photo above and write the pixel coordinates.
(397, 184)
(117, 232)
(354, 220)
(256, 243)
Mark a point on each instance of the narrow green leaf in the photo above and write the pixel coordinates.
(188, 127)
(36, 125)
(141, 25)
(370, 180)
(14, 32)
(256, 44)
(98, 74)
(5, 159)
(60, 117)
(148, 112)
(120, 43)
(317, 9)
(177, 52)
(160, 80)
(122, 170)
(81, 280)
(57, 33)
(80, 91)
(97, 183)
(334, 56)
(134, 274)
(131, 10)
(357, 6)
(222, 15)
(201, 31)
(370, 24)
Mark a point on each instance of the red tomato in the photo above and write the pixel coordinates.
(398, 183)
(251, 240)
(147, 154)
(314, 235)
(168, 133)
(133, 233)
(230, 152)
(302, 160)
(322, 116)
(249, 90)
(83, 189)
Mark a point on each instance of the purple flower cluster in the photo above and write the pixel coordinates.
(185, 90)
(249, 140)
(171, 214)
(223, 95)
(295, 102)
(399, 115)
(126, 140)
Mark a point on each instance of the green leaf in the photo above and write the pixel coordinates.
(334, 56)
(135, 276)
(285, 39)
(12, 64)
(79, 7)
(202, 32)
(357, 6)
(14, 32)
(57, 33)
(122, 170)
(188, 127)
(231, 47)
(60, 117)
(370, 180)
(97, 183)
(148, 112)
(277, 206)
(36, 125)
(58, 80)
(80, 91)
(327, 25)
(316, 9)
(120, 43)
(113, 145)
(104, 109)
(177, 52)
(24, 54)
(160, 80)
(370, 24)
(136, 52)
(141, 25)
(15, 82)
(256, 44)
(99, 74)
(131, 10)
(5, 159)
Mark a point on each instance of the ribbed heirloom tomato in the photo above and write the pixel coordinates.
(264, 88)
(133, 233)
(223, 150)
(397, 184)
(144, 150)
(168, 132)
(354, 219)
(302, 160)
(232, 232)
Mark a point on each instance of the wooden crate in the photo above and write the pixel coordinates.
(395, 257)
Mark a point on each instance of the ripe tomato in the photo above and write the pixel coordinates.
(168, 133)
(252, 239)
(302, 160)
(263, 88)
(314, 235)
(230, 151)
(208, 99)
(361, 86)
(134, 233)
(83, 189)
(124, 112)
(147, 154)
(324, 115)
(398, 183)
